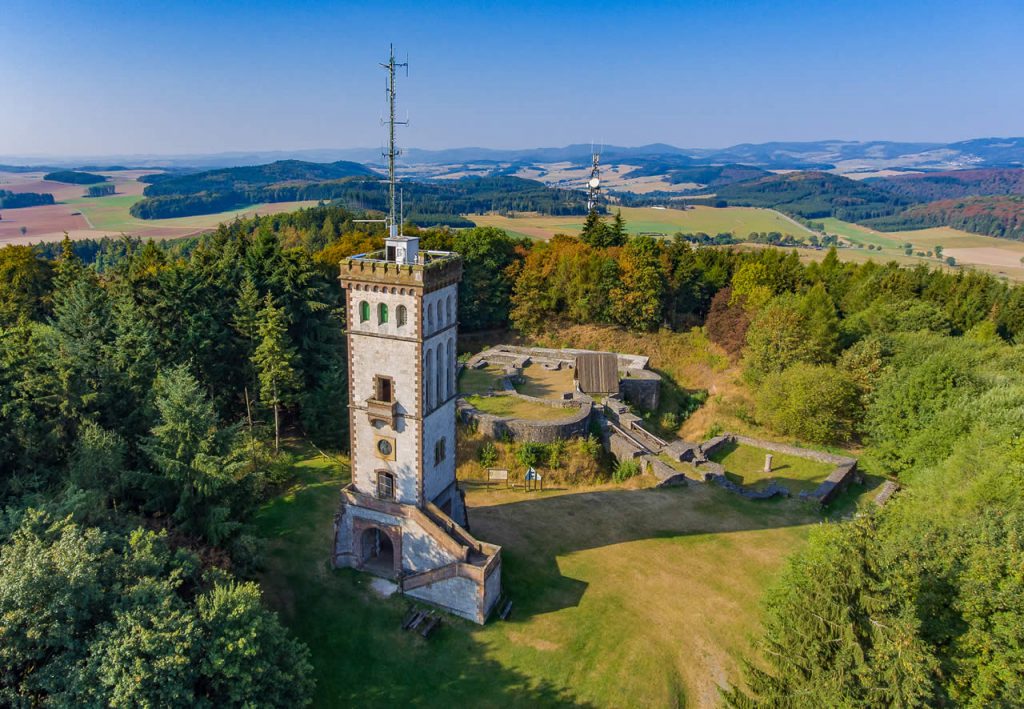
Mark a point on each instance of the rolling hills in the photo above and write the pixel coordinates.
(993, 215)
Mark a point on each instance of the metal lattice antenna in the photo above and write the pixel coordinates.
(392, 151)
(594, 184)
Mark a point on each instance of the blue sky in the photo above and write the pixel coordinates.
(100, 77)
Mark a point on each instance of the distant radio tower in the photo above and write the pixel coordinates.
(393, 152)
(594, 185)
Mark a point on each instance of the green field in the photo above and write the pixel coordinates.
(739, 221)
(111, 214)
(1001, 257)
(745, 465)
(622, 597)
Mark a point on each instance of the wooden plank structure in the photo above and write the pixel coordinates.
(597, 373)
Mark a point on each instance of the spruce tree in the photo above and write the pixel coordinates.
(276, 360)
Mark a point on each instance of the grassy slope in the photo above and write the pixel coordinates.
(623, 597)
(737, 220)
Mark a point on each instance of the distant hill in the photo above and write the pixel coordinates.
(240, 179)
(426, 203)
(951, 184)
(74, 177)
(814, 195)
(1000, 215)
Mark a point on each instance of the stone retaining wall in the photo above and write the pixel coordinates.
(576, 423)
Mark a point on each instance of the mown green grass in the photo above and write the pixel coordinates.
(745, 465)
(622, 597)
(480, 381)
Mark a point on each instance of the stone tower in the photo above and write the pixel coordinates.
(403, 515)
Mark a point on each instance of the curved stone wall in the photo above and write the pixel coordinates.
(575, 423)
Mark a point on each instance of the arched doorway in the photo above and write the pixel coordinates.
(377, 553)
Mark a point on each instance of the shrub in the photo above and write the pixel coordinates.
(529, 454)
(488, 455)
(625, 469)
(555, 452)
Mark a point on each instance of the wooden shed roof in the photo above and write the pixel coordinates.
(598, 372)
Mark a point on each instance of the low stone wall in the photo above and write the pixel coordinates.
(838, 480)
(623, 447)
(667, 475)
(576, 422)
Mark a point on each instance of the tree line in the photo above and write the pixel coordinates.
(15, 200)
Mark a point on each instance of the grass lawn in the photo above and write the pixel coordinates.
(736, 220)
(545, 383)
(515, 408)
(623, 597)
(745, 465)
(480, 381)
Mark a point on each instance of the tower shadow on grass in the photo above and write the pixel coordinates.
(536, 531)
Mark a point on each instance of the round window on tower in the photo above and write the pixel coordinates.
(384, 446)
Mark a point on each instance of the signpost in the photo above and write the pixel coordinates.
(534, 481)
(496, 475)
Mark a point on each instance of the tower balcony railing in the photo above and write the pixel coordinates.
(423, 258)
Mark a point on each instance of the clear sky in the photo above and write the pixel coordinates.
(102, 77)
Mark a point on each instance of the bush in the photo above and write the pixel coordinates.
(625, 469)
(529, 454)
(488, 455)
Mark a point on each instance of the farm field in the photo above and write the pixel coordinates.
(623, 596)
(739, 221)
(85, 218)
(986, 253)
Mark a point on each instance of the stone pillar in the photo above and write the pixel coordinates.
(768, 463)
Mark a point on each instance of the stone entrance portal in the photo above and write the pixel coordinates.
(377, 553)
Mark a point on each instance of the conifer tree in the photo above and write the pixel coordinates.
(594, 230)
(276, 360)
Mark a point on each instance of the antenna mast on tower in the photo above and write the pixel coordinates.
(594, 185)
(393, 152)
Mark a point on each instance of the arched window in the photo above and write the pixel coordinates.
(402, 315)
(451, 309)
(364, 311)
(439, 373)
(382, 313)
(428, 378)
(449, 364)
(439, 451)
(430, 317)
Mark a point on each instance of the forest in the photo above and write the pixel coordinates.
(1001, 216)
(140, 385)
(13, 200)
(814, 195)
(74, 177)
